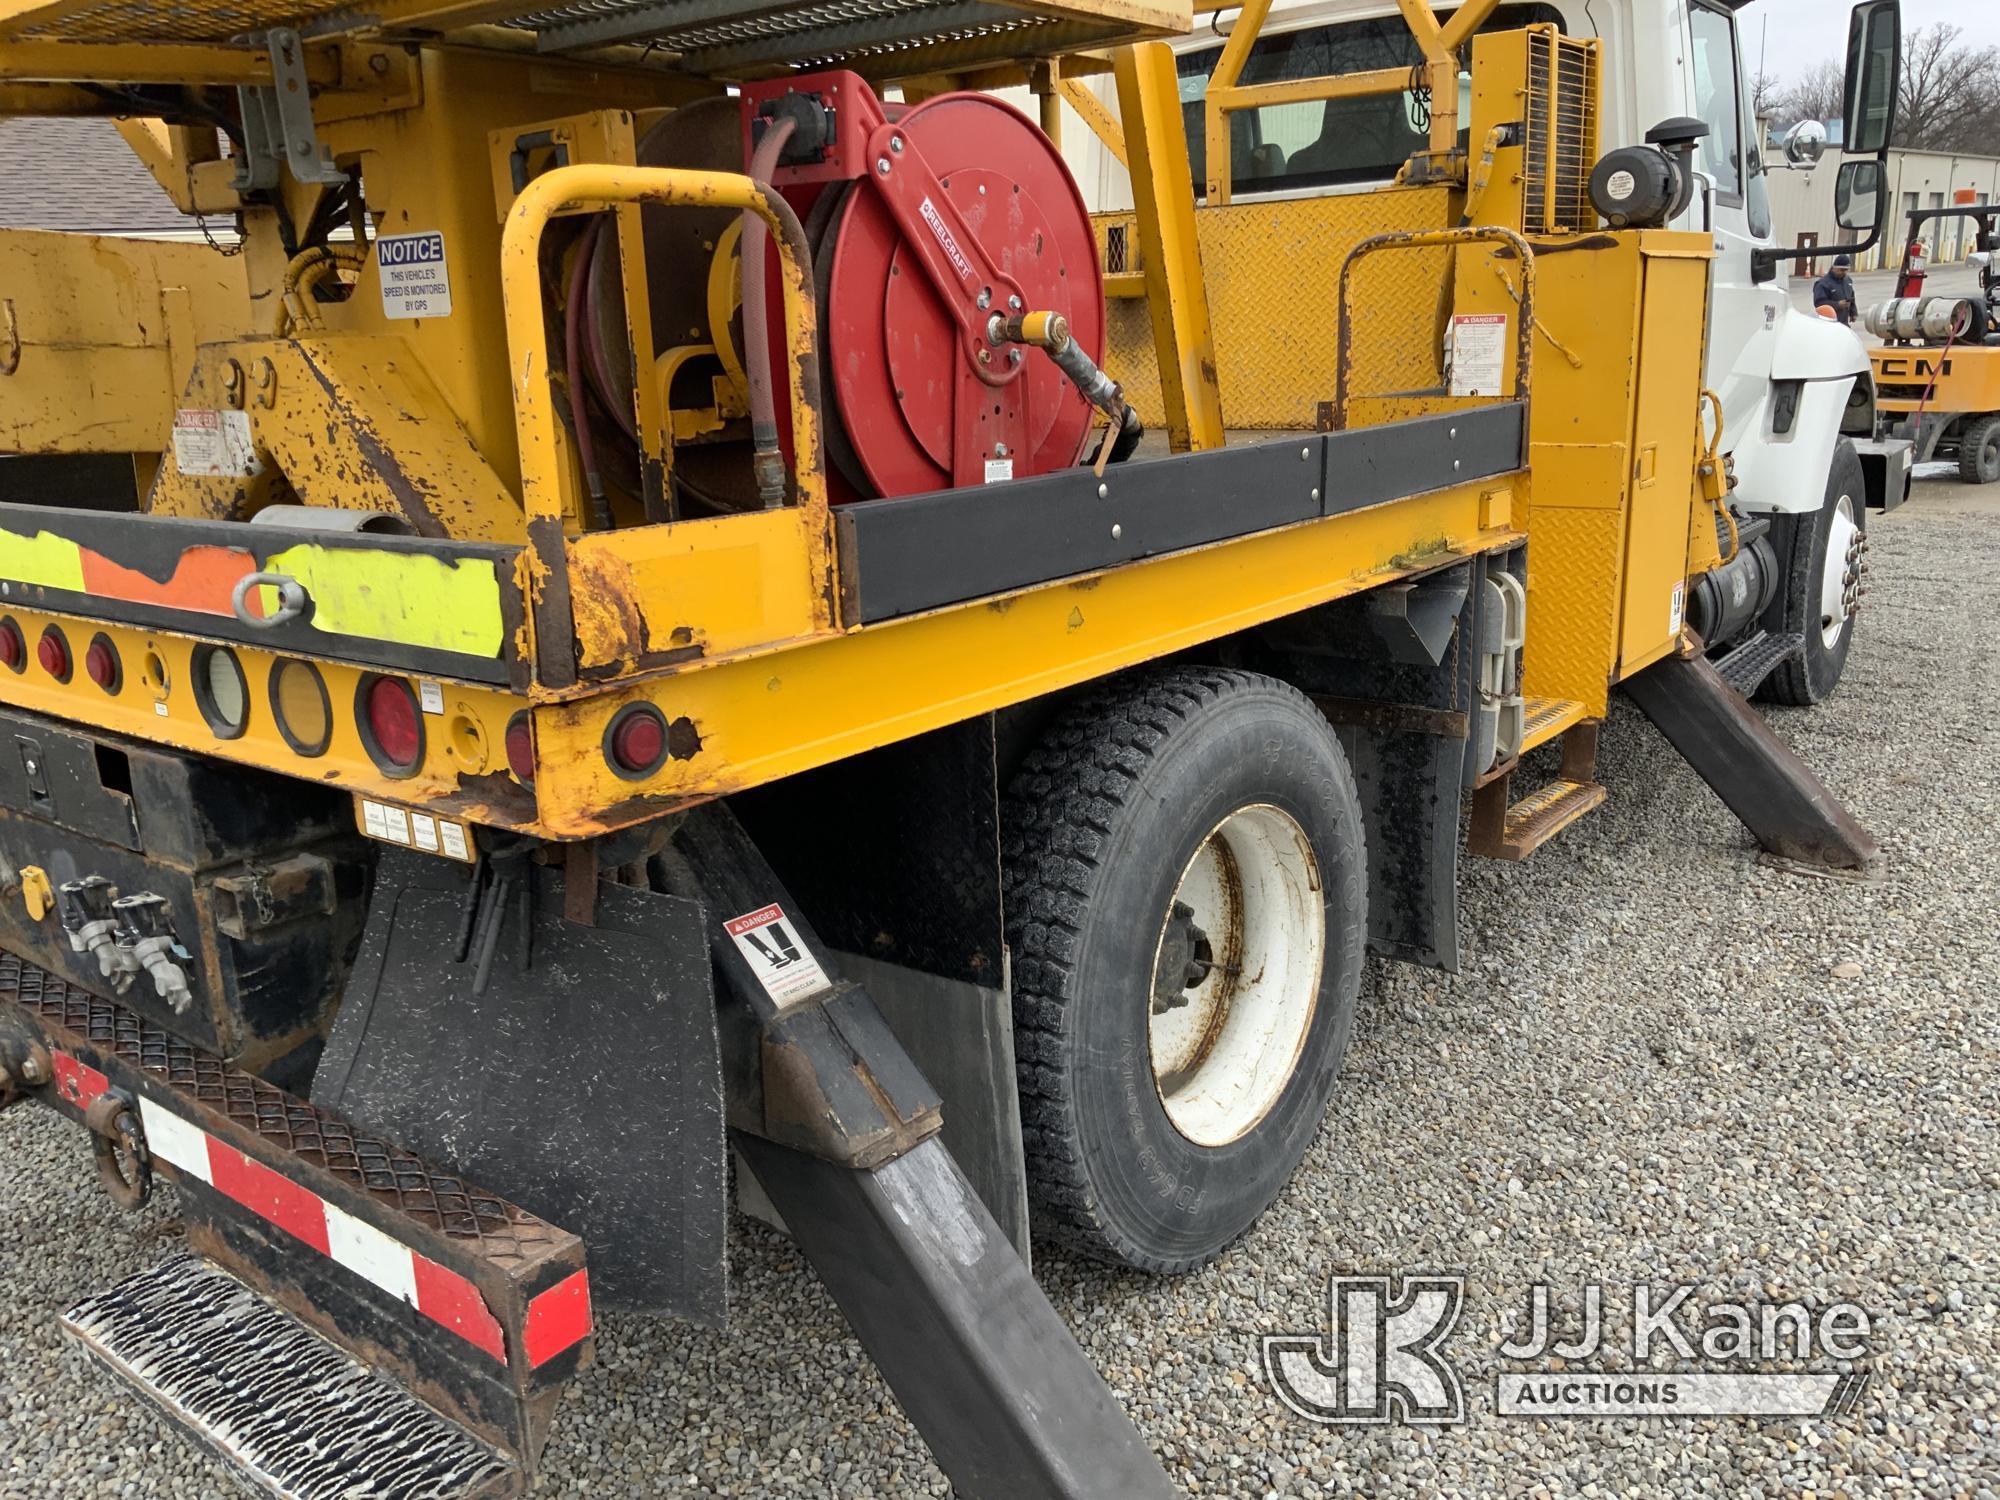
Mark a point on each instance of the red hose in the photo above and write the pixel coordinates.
(767, 461)
(575, 311)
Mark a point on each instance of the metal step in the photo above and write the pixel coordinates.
(1747, 665)
(292, 1413)
(1546, 812)
(446, 1288)
(1545, 718)
(1505, 829)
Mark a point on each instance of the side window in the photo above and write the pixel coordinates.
(1318, 142)
(1716, 98)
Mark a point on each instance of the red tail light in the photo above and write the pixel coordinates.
(637, 741)
(101, 663)
(52, 651)
(521, 749)
(394, 723)
(13, 650)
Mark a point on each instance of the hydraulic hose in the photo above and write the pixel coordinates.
(1050, 333)
(575, 311)
(767, 462)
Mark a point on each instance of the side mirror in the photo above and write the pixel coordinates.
(1857, 195)
(1874, 63)
(1805, 143)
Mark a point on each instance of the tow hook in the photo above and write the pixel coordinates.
(118, 1141)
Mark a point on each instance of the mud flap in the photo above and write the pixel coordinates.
(584, 1082)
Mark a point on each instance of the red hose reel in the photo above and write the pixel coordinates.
(928, 223)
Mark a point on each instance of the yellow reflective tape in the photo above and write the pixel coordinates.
(406, 598)
(44, 560)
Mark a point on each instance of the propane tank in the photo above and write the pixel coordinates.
(1932, 320)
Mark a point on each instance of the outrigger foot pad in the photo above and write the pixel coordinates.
(1762, 780)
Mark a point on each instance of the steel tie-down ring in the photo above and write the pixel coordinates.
(113, 1122)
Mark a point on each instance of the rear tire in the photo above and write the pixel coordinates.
(1814, 596)
(1979, 450)
(1185, 887)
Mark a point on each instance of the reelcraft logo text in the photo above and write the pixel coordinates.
(1387, 1353)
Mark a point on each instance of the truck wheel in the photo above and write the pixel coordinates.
(1819, 586)
(1979, 450)
(1185, 887)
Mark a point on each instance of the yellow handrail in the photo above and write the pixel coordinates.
(587, 187)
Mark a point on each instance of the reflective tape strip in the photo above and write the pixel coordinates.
(557, 1319)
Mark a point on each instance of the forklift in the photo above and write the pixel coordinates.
(1937, 369)
(667, 621)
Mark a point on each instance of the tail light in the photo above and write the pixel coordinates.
(13, 649)
(521, 749)
(636, 742)
(392, 725)
(300, 705)
(52, 651)
(220, 691)
(101, 664)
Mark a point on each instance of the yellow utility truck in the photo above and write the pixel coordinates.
(660, 599)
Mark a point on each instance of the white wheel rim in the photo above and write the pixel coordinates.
(1837, 576)
(1222, 1059)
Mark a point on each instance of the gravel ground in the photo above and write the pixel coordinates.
(1765, 1085)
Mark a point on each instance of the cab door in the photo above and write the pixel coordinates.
(1732, 204)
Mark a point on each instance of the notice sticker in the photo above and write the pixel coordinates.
(1676, 603)
(416, 283)
(431, 696)
(416, 830)
(769, 943)
(999, 470)
(215, 444)
(1478, 353)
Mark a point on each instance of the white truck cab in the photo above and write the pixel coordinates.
(1783, 377)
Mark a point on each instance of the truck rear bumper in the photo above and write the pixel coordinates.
(477, 1307)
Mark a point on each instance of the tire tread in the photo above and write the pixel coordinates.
(1059, 810)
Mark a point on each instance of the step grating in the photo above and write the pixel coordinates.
(294, 1414)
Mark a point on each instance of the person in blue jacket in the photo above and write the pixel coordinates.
(1834, 290)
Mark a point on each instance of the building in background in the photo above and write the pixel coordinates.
(1802, 201)
(79, 175)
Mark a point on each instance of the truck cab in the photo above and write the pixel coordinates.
(1793, 425)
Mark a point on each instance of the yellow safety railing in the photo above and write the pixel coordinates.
(1416, 240)
(586, 188)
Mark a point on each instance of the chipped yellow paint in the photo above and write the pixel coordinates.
(414, 600)
(41, 561)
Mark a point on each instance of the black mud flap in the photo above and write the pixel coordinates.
(583, 1082)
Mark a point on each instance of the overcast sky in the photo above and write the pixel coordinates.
(1802, 32)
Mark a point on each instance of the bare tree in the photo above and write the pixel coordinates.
(1816, 93)
(1767, 97)
(1950, 94)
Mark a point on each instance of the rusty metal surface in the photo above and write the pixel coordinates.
(497, 1231)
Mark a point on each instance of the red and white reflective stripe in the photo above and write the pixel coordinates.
(556, 1319)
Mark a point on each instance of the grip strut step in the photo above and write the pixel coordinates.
(293, 1414)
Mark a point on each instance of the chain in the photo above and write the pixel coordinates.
(201, 223)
